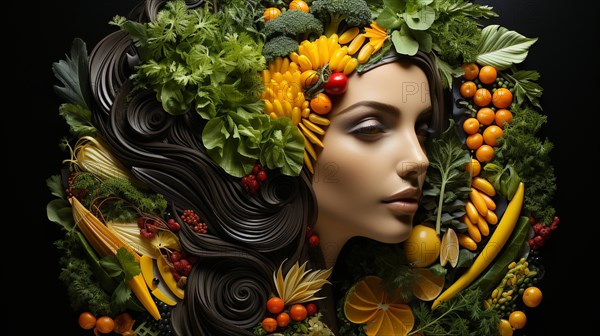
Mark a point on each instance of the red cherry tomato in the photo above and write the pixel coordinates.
(337, 83)
(311, 309)
(298, 312)
(275, 305)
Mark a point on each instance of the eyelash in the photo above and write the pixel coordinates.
(423, 131)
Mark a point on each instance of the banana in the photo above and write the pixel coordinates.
(356, 43)
(365, 52)
(478, 201)
(489, 202)
(467, 242)
(348, 35)
(350, 66)
(483, 226)
(313, 127)
(308, 163)
(472, 230)
(491, 217)
(472, 212)
(483, 185)
(317, 119)
(309, 148)
(146, 266)
(312, 137)
(305, 63)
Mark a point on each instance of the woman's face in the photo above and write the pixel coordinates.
(369, 175)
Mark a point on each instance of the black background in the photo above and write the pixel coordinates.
(33, 128)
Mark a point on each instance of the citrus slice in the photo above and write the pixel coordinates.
(368, 303)
(428, 285)
(449, 248)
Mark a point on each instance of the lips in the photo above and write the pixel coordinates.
(404, 202)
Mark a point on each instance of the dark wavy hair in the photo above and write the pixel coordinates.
(249, 236)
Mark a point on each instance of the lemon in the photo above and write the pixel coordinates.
(422, 248)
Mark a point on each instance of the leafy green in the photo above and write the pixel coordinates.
(448, 27)
(525, 88)
(84, 292)
(501, 48)
(463, 315)
(210, 62)
(505, 179)
(54, 183)
(283, 145)
(121, 264)
(78, 118)
(59, 211)
(116, 198)
(74, 74)
(529, 155)
(447, 182)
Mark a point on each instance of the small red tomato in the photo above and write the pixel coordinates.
(275, 305)
(311, 309)
(337, 83)
(269, 324)
(283, 319)
(298, 312)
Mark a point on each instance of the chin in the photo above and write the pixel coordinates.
(392, 233)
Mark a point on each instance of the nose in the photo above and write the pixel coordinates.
(412, 160)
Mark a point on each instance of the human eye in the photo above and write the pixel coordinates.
(368, 129)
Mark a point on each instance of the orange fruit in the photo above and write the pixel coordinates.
(484, 153)
(428, 285)
(486, 116)
(474, 167)
(471, 125)
(517, 319)
(384, 314)
(482, 97)
(467, 89)
(321, 104)
(308, 78)
(473, 141)
(504, 328)
(299, 5)
(422, 247)
(271, 13)
(532, 296)
(269, 324)
(491, 135)
(502, 98)
(487, 74)
(471, 71)
(503, 116)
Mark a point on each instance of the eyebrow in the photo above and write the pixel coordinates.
(387, 108)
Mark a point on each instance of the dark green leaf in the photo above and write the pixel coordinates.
(73, 72)
(120, 296)
(112, 266)
(128, 264)
(59, 211)
(78, 118)
(54, 183)
(389, 19)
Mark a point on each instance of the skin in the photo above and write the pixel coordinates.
(373, 150)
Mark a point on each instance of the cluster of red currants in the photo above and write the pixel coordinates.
(542, 232)
(252, 181)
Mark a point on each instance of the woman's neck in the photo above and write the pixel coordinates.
(332, 236)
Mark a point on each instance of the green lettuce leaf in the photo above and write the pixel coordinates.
(78, 118)
(501, 48)
(283, 147)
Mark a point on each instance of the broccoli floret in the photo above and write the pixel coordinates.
(295, 24)
(279, 46)
(333, 12)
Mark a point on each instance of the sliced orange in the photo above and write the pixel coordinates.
(428, 285)
(382, 312)
(449, 248)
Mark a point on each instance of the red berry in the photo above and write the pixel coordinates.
(147, 234)
(537, 227)
(311, 309)
(245, 180)
(545, 232)
(256, 168)
(261, 176)
(253, 185)
(313, 240)
(176, 256)
(176, 275)
(141, 222)
(173, 225)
